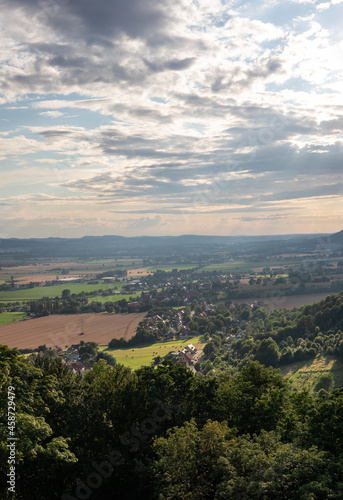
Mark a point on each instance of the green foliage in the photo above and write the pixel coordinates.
(252, 399)
(325, 382)
(187, 461)
(110, 360)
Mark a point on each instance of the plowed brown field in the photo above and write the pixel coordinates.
(63, 330)
(142, 271)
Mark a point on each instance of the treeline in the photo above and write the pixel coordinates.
(166, 434)
(142, 336)
(74, 304)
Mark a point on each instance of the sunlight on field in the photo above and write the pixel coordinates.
(143, 355)
(306, 373)
(66, 329)
(56, 291)
(11, 317)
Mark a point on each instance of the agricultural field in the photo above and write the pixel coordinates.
(244, 267)
(64, 330)
(143, 355)
(283, 302)
(241, 266)
(286, 302)
(47, 271)
(114, 298)
(7, 318)
(39, 278)
(55, 291)
(114, 262)
(306, 373)
(181, 267)
(138, 272)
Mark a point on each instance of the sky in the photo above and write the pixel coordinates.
(170, 117)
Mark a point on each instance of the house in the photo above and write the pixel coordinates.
(191, 348)
(171, 333)
(77, 368)
(188, 359)
(184, 332)
(133, 307)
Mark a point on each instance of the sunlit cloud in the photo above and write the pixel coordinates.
(156, 117)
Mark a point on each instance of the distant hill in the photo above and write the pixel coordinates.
(332, 241)
(337, 238)
(139, 246)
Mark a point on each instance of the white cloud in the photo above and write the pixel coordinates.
(177, 103)
(326, 5)
(51, 114)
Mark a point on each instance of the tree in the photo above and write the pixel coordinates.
(66, 294)
(110, 360)
(325, 381)
(109, 307)
(268, 352)
(187, 459)
(252, 399)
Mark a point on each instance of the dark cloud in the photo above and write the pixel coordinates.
(306, 192)
(72, 62)
(100, 19)
(173, 65)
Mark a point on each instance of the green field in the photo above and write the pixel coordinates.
(170, 268)
(233, 266)
(114, 298)
(116, 262)
(306, 373)
(13, 317)
(248, 266)
(54, 291)
(143, 355)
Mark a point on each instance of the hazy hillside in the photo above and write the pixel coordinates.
(105, 246)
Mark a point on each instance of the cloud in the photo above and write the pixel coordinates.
(182, 107)
(51, 114)
(144, 223)
(326, 5)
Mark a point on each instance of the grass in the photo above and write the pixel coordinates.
(143, 355)
(244, 266)
(170, 268)
(12, 317)
(233, 266)
(115, 262)
(54, 291)
(306, 373)
(114, 298)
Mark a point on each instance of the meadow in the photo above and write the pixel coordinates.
(170, 268)
(245, 267)
(114, 298)
(7, 318)
(55, 291)
(143, 355)
(306, 373)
